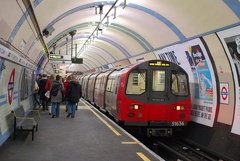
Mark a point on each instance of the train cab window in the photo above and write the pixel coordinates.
(179, 83)
(158, 83)
(136, 83)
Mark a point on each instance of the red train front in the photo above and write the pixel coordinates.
(155, 95)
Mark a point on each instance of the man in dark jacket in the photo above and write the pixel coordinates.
(42, 91)
(73, 94)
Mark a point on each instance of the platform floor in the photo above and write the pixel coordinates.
(90, 136)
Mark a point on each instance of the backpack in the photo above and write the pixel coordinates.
(54, 90)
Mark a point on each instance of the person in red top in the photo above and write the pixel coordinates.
(47, 87)
(64, 90)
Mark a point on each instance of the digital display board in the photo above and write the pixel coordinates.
(159, 63)
(55, 56)
(77, 60)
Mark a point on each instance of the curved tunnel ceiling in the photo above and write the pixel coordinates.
(140, 27)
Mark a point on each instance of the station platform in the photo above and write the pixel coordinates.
(90, 136)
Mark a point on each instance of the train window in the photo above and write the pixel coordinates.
(110, 84)
(136, 83)
(97, 84)
(89, 82)
(158, 83)
(179, 83)
(116, 87)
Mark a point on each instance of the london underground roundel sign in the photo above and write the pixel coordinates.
(10, 87)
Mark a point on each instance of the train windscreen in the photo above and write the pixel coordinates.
(179, 83)
(136, 82)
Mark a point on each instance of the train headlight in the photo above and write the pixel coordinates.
(179, 108)
(135, 107)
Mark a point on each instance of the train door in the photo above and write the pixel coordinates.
(114, 94)
(110, 98)
(158, 93)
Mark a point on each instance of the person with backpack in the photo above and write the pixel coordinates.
(56, 91)
(73, 94)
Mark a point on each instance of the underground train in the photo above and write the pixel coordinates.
(152, 95)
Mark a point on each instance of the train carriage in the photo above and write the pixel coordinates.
(151, 95)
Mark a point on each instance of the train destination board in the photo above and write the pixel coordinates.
(55, 56)
(60, 59)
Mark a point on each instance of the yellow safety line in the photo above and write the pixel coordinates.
(141, 155)
(108, 125)
(130, 142)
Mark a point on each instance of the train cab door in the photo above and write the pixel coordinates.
(114, 95)
(111, 92)
(158, 93)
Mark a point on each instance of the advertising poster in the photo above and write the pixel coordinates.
(231, 42)
(192, 56)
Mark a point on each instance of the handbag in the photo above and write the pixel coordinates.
(47, 94)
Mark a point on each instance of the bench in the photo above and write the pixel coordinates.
(25, 122)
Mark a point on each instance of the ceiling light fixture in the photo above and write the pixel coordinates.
(100, 25)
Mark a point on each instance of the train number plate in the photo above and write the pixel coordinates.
(179, 123)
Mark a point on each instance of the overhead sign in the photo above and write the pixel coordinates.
(77, 60)
(55, 56)
(59, 59)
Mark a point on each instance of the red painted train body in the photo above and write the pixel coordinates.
(153, 95)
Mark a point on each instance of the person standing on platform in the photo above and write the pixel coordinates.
(42, 91)
(73, 94)
(37, 79)
(39, 76)
(56, 97)
(68, 79)
(35, 94)
(80, 95)
(48, 86)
